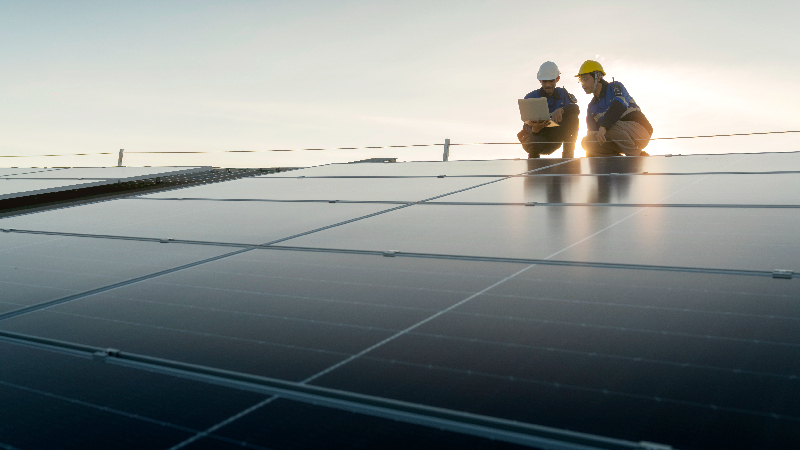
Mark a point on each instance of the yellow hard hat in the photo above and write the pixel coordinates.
(590, 66)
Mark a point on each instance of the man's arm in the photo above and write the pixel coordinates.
(613, 114)
(617, 108)
(570, 107)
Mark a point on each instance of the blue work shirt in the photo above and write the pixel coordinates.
(615, 103)
(560, 98)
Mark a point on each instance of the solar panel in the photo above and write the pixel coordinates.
(549, 304)
(228, 222)
(83, 403)
(705, 189)
(24, 182)
(306, 311)
(736, 238)
(38, 268)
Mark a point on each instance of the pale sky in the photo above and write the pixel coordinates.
(90, 77)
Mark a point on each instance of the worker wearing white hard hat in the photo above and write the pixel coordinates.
(538, 138)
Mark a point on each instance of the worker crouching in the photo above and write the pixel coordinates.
(538, 138)
(616, 124)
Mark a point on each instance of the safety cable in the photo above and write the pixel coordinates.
(386, 146)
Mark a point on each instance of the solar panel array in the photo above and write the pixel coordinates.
(609, 303)
(21, 182)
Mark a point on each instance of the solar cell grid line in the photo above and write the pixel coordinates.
(184, 331)
(582, 353)
(94, 406)
(594, 390)
(210, 431)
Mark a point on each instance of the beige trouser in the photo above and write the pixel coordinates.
(625, 137)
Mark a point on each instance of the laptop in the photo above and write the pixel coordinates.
(534, 109)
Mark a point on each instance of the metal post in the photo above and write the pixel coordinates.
(119, 163)
(446, 155)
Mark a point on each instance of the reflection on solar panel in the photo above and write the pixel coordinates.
(615, 303)
(22, 182)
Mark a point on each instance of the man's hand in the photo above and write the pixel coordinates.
(601, 135)
(538, 125)
(558, 115)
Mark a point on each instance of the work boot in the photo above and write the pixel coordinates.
(568, 151)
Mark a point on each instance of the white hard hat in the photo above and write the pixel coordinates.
(548, 71)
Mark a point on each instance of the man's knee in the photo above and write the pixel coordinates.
(587, 144)
(570, 121)
(593, 147)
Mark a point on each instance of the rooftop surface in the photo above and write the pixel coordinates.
(607, 303)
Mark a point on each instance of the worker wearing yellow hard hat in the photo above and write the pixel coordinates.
(617, 126)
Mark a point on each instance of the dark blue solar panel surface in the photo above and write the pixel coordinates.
(274, 313)
(284, 424)
(705, 189)
(39, 268)
(53, 400)
(192, 220)
(730, 238)
(635, 322)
